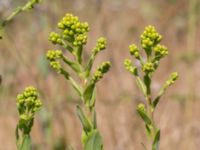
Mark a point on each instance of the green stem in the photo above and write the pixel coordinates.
(18, 10)
(73, 83)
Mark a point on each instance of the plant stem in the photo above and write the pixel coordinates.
(18, 10)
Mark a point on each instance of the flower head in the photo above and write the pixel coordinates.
(28, 104)
(104, 67)
(150, 37)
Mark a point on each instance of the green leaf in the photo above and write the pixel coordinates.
(147, 82)
(79, 51)
(94, 141)
(91, 103)
(156, 141)
(26, 143)
(84, 121)
(155, 102)
(148, 129)
(89, 64)
(143, 115)
(94, 119)
(89, 94)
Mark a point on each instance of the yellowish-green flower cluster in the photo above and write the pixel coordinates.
(74, 30)
(150, 37)
(28, 104)
(148, 67)
(55, 38)
(129, 67)
(172, 79)
(134, 50)
(100, 45)
(53, 56)
(160, 51)
(150, 40)
(71, 25)
(56, 65)
(80, 40)
(104, 67)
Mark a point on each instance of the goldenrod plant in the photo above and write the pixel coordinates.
(154, 51)
(28, 104)
(73, 37)
(29, 5)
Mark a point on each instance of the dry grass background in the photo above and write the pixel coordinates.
(22, 63)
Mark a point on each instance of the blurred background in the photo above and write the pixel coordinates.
(23, 63)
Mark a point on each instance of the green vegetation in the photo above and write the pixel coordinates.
(72, 37)
(150, 40)
(27, 105)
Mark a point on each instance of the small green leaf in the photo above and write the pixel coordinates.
(142, 112)
(94, 141)
(79, 51)
(89, 64)
(84, 121)
(155, 102)
(91, 103)
(156, 140)
(148, 129)
(88, 94)
(147, 82)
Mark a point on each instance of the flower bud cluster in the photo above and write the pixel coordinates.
(53, 56)
(150, 37)
(55, 38)
(150, 43)
(28, 104)
(56, 65)
(160, 51)
(129, 67)
(100, 45)
(105, 66)
(74, 29)
(172, 79)
(141, 107)
(80, 40)
(134, 50)
(148, 67)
